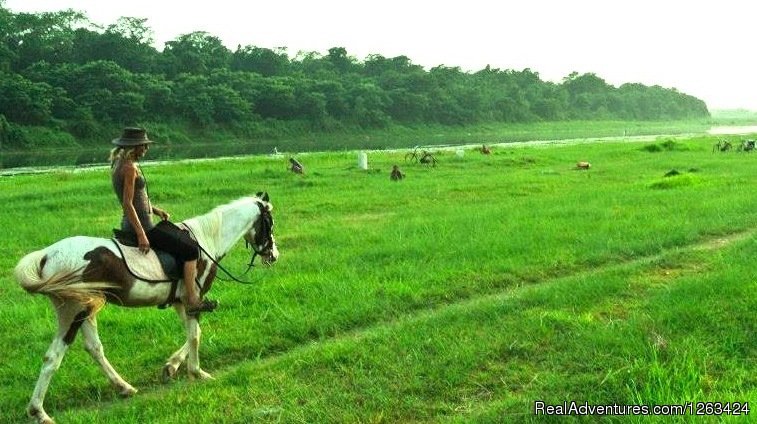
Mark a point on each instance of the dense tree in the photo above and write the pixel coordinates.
(45, 36)
(341, 62)
(8, 34)
(160, 100)
(228, 106)
(195, 53)
(127, 43)
(23, 101)
(263, 61)
(61, 71)
(335, 95)
(310, 104)
(368, 105)
(193, 99)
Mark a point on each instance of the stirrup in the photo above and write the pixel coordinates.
(206, 305)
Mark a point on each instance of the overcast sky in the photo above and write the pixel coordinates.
(704, 48)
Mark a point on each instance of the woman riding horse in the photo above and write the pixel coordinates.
(130, 187)
(80, 274)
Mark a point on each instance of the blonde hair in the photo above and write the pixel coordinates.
(121, 152)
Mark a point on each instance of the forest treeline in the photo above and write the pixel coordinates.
(64, 78)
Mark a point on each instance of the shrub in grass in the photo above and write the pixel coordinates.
(666, 146)
(674, 181)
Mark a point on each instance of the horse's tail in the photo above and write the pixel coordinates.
(65, 284)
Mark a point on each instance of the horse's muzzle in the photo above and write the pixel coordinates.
(271, 256)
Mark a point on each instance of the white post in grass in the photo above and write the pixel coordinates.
(362, 160)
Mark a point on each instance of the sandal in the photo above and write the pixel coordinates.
(206, 305)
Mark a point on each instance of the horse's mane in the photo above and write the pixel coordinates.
(207, 227)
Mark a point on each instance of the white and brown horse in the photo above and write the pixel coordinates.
(81, 274)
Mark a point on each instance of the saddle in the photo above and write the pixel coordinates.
(155, 266)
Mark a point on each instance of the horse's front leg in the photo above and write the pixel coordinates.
(94, 346)
(188, 350)
(193, 342)
(174, 362)
(177, 358)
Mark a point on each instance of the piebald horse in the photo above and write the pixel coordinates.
(81, 274)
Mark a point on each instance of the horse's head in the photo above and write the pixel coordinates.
(260, 236)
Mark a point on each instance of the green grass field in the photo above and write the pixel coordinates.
(464, 293)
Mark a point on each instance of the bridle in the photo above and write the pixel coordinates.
(263, 238)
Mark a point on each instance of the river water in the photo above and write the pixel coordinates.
(31, 161)
(733, 130)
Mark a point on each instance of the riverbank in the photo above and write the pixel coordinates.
(465, 147)
(283, 155)
(396, 137)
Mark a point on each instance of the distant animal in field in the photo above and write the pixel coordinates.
(583, 165)
(746, 146)
(486, 150)
(396, 174)
(296, 167)
(722, 146)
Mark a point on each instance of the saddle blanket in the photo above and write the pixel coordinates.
(146, 266)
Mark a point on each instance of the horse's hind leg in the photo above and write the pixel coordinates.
(94, 346)
(70, 317)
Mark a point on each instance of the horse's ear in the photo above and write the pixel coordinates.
(263, 196)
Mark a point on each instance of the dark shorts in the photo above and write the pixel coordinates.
(169, 238)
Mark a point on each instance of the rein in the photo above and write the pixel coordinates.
(218, 264)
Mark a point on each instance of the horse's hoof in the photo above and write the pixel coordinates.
(169, 373)
(39, 415)
(200, 375)
(127, 391)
